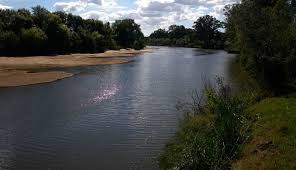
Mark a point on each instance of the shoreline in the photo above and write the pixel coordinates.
(17, 71)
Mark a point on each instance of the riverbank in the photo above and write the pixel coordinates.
(19, 71)
(273, 141)
(266, 138)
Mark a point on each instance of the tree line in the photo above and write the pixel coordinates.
(263, 32)
(206, 33)
(38, 31)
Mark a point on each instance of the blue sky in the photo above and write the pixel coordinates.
(150, 14)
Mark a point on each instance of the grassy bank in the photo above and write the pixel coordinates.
(242, 128)
(273, 141)
(213, 132)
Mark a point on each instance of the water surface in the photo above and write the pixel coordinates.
(106, 117)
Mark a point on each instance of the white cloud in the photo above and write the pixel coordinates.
(5, 7)
(98, 2)
(74, 6)
(150, 14)
(191, 2)
(70, 6)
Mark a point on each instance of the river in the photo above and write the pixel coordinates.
(111, 117)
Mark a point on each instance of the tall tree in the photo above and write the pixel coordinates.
(24, 32)
(33, 40)
(160, 33)
(177, 31)
(264, 34)
(207, 30)
(127, 33)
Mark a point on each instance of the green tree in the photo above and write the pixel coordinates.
(58, 35)
(207, 30)
(40, 17)
(41, 31)
(88, 43)
(262, 31)
(177, 31)
(127, 32)
(160, 33)
(9, 43)
(99, 42)
(33, 40)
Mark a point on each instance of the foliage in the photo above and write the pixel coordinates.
(9, 41)
(58, 35)
(205, 34)
(207, 31)
(128, 34)
(23, 32)
(263, 32)
(212, 134)
(160, 33)
(33, 40)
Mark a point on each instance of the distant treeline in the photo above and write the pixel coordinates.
(205, 34)
(25, 32)
(264, 34)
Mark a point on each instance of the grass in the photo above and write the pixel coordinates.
(241, 128)
(211, 135)
(273, 142)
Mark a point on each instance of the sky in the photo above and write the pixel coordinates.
(150, 14)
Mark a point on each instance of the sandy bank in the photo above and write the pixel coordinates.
(18, 77)
(15, 71)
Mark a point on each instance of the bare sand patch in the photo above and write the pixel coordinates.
(15, 71)
(19, 78)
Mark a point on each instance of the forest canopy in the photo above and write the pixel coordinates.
(204, 34)
(264, 34)
(38, 31)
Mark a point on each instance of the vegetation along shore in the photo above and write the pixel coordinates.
(250, 125)
(40, 39)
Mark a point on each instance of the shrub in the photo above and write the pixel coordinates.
(212, 133)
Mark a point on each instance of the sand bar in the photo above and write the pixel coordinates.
(15, 71)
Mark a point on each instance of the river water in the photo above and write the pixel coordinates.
(111, 117)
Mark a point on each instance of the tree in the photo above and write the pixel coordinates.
(126, 32)
(9, 43)
(263, 33)
(109, 41)
(33, 40)
(40, 17)
(160, 33)
(205, 35)
(74, 23)
(40, 31)
(177, 31)
(21, 19)
(99, 42)
(58, 34)
(88, 43)
(207, 30)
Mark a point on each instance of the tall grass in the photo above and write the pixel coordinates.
(212, 133)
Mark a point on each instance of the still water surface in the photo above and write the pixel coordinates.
(108, 117)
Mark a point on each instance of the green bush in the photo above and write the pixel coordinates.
(212, 133)
(263, 32)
